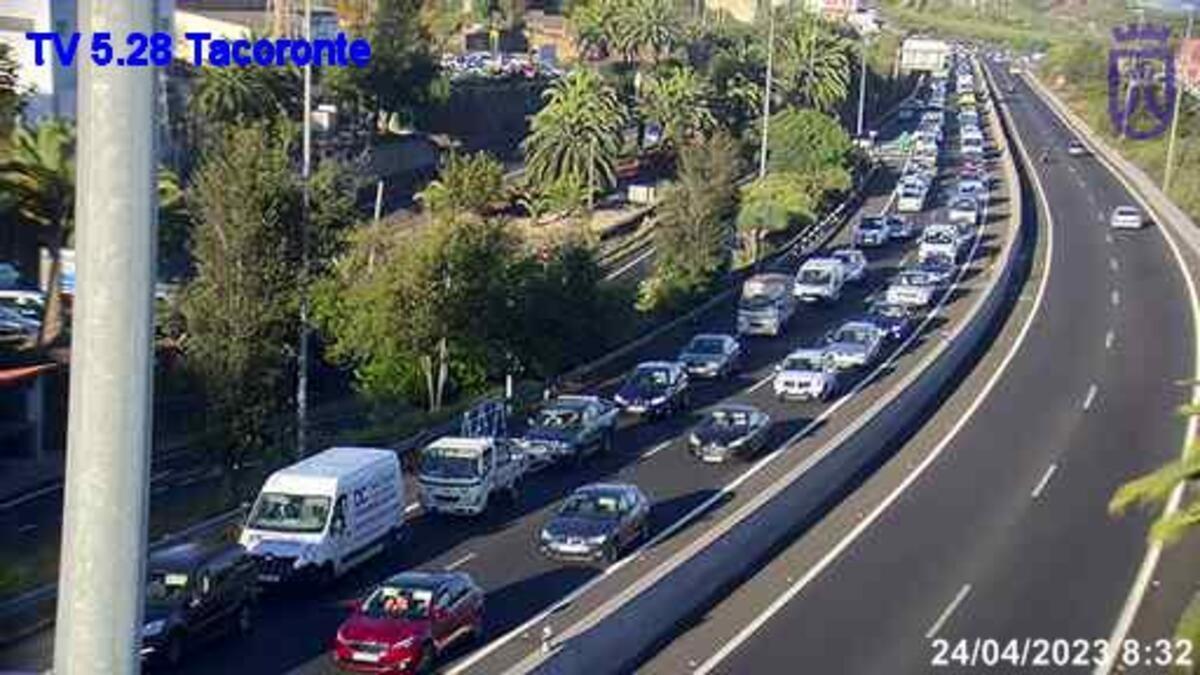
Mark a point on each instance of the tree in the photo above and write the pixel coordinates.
(174, 226)
(806, 142)
(695, 224)
(774, 203)
(646, 26)
(12, 99)
(240, 96)
(402, 71)
(471, 184)
(240, 309)
(814, 63)
(578, 133)
(679, 100)
(419, 310)
(39, 177)
(593, 25)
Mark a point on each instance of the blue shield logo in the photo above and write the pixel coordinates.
(1141, 75)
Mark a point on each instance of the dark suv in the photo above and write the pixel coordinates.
(194, 592)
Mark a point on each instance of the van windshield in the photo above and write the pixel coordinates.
(815, 276)
(449, 463)
(290, 513)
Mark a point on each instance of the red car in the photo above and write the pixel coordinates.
(407, 621)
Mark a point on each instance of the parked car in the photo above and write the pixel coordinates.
(911, 288)
(854, 344)
(569, 428)
(854, 262)
(655, 389)
(597, 522)
(711, 355)
(806, 373)
(732, 428)
(194, 592)
(871, 231)
(1126, 218)
(408, 621)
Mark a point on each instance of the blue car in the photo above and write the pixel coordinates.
(655, 389)
(896, 321)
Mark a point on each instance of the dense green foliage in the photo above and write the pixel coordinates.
(12, 99)
(679, 99)
(814, 62)
(471, 184)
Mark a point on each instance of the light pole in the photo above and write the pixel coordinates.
(1191, 10)
(862, 85)
(766, 114)
(101, 574)
(305, 173)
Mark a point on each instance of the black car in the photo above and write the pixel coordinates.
(194, 592)
(730, 429)
(597, 522)
(655, 389)
(896, 321)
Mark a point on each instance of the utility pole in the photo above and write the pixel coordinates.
(306, 174)
(766, 121)
(862, 85)
(101, 573)
(1191, 10)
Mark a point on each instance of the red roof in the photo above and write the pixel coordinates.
(10, 377)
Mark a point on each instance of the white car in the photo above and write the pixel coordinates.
(820, 279)
(854, 263)
(871, 231)
(972, 147)
(1126, 218)
(806, 374)
(911, 288)
(911, 199)
(963, 210)
(854, 345)
(940, 239)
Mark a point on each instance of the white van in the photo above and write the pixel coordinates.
(316, 519)
(820, 279)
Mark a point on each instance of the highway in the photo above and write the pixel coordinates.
(292, 633)
(1006, 534)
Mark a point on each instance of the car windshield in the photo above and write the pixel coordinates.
(871, 224)
(397, 602)
(650, 378)
(853, 335)
(729, 419)
(559, 418)
(913, 279)
(1125, 211)
(592, 505)
(706, 346)
(804, 362)
(446, 462)
(281, 512)
(814, 276)
(964, 205)
(890, 311)
(939, 238)
(166, 588)
(847, 257)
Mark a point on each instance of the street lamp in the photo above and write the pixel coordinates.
(862, 85)
(306, 172)
(1175, 114)
(766, 114)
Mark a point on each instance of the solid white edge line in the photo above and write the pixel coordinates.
(1115, 297)
(1091, 396)
(946, 613)
(460, 562)
(1037, 489)
(630, 265)
(1108, 339)
(657, 449)
(866, 522)
(481, 653)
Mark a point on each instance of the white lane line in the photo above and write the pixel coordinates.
(1037, 490)
(412, 507)
(30, 496)
(1108, 339)
(1108, 239)
(656, 449)
(845, 542)
(1100, 218)
(1113, 264)
(461, 561)
(758, 385)
(1115, 297)
(945, 615)
(1091, 396)
(629, 265)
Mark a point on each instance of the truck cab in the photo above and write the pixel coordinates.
(463, 476)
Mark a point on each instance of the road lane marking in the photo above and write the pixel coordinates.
(1115, 297)
(1108, 340)
(656, 449)
(1091, 396)
(758, 385)
(630, 265)
(1099, 217)
(30, 527)
(1108, 238)
(832, 555)
(460, 562)
(1113, 264)
(30, 496)
(945, 615)
(1037, 490)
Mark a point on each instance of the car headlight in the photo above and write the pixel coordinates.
(598, 541)
(694, 439)
(658, 400)
(546, 536)
(153, 628)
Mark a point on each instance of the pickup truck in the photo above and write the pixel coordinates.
(569, 428)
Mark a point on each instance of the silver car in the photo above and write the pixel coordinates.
(854, 345)
(711, 355)
(1126, 218)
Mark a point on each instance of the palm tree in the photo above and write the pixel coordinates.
(679, 100)
(243, 95)
(39, 177)
(578, 132)
(1156, 487)
(593, 24)
(814, 63)
(647, 26)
